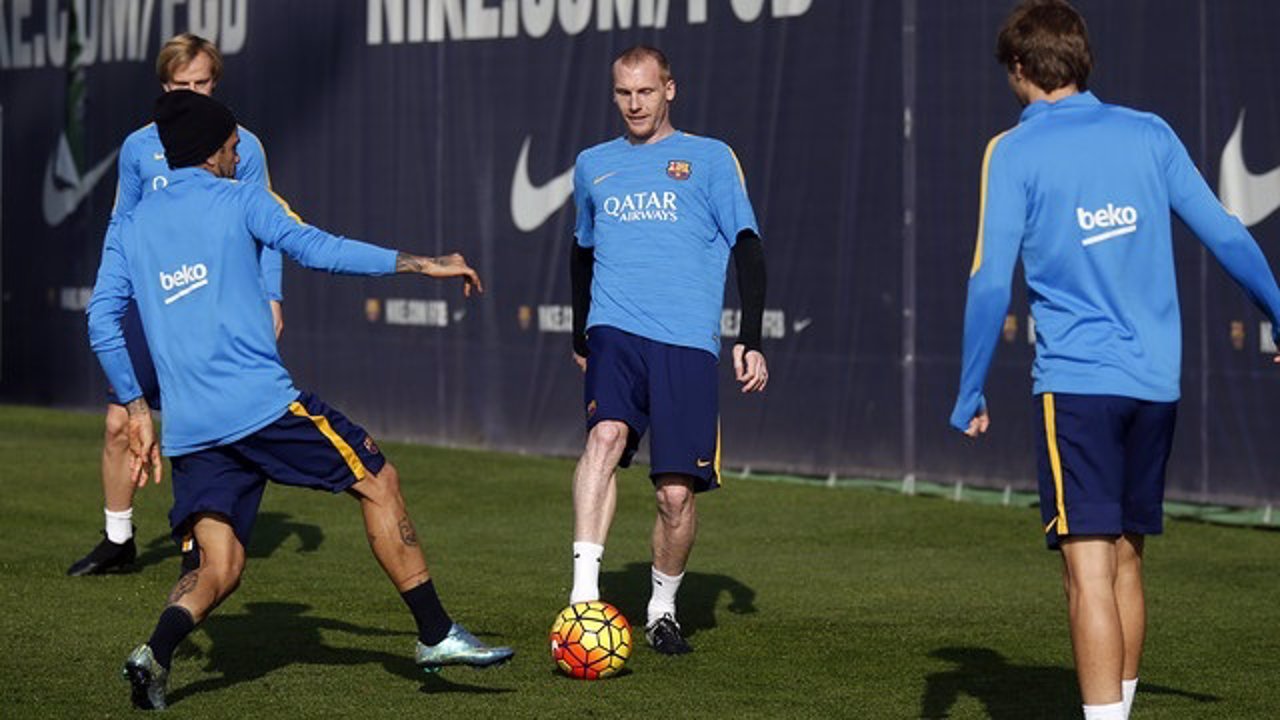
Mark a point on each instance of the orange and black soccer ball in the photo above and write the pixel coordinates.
(590, 640)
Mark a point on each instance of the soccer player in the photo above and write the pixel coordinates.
(1082, 191)
(193, 63)
(659, 213)
(188, 255)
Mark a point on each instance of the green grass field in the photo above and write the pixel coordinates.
(801, 602)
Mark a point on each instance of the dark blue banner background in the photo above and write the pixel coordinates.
(860, 126)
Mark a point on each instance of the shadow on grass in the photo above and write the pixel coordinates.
(270, 532)
(273, 635)
(1013, 692)
(696, 604)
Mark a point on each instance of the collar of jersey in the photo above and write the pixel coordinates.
(1042, 106)
(623, 139)
(187, 173)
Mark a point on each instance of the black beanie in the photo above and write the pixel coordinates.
(192, 127)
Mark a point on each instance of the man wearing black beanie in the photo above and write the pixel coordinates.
(190, 63)
(188, 255)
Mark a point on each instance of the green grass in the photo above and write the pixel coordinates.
(801, 602)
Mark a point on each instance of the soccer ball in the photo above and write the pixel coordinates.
(590, 640)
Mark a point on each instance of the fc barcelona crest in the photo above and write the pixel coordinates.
(679, 169)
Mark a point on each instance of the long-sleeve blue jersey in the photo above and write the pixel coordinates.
(189, 255)
(143, 169)
(1082, 190)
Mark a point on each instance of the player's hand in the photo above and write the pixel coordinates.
(454, 265)
(144, 452)
(978, 424)
(581, 361)
(750, 368)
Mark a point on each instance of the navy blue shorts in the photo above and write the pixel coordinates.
(646, 383)
(1101, 461)
(135, 343)
(311, 445)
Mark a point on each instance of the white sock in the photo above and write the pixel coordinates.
(119, 525)
(1112, 711)
(586, 572)
(663, 600)
(1129, 688)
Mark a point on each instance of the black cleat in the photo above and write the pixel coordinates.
(105, 557)
(664, 636)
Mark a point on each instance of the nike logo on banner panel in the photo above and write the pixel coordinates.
(1247, 196)
(64, 186)
(532, 205)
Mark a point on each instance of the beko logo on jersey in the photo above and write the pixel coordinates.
(634, 207)
(1123, 219)
(185, 280)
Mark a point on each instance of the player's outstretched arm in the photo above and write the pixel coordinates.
(442, 267)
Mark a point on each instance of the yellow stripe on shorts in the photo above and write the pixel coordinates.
(1055, 463)
(322, 424)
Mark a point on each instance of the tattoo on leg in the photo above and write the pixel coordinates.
(186, 584)
(408, 535)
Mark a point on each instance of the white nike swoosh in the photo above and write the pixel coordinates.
(799, 325)
(604, 177)
(157, 156)
(531, 204)
(60, 202)
(1247, 196)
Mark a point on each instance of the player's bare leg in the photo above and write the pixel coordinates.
(1097, 639)
(674, 531)
(118, 548)
(391, 533)
(394, 542)
(1131, 603)
(192, 599)
(595, 498)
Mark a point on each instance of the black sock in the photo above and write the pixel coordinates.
(174, 626)
(433, 621)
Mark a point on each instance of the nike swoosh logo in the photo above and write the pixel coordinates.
(60, 201)
(604, 177)
(799, 325)
(1247, 196)
(702, 463)
(157, 156)
(532, 205)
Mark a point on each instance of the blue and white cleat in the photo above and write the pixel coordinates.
(460, 647)
(147, 677)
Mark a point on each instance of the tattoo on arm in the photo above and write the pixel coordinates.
(185, 585)
(408, 535)
(406, 263)
(137, 406)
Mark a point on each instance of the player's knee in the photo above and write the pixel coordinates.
(116, 430)
(385, 484)
(608, 436)
(675, 500)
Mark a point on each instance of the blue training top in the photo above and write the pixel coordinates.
(1082, 191)
(188, 254)
(662, 219)
(142, 169)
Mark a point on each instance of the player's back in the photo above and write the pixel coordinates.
(1097, 249)
(194, 269)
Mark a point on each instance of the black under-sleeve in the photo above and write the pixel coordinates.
(748, 260)
(581, 266)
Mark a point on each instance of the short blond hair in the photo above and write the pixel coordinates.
(637, 54)
(181, 50)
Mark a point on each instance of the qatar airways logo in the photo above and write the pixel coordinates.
(186, 280)
(1111, 220)
(642, 206)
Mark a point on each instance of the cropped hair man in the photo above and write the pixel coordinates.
(659, 214)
